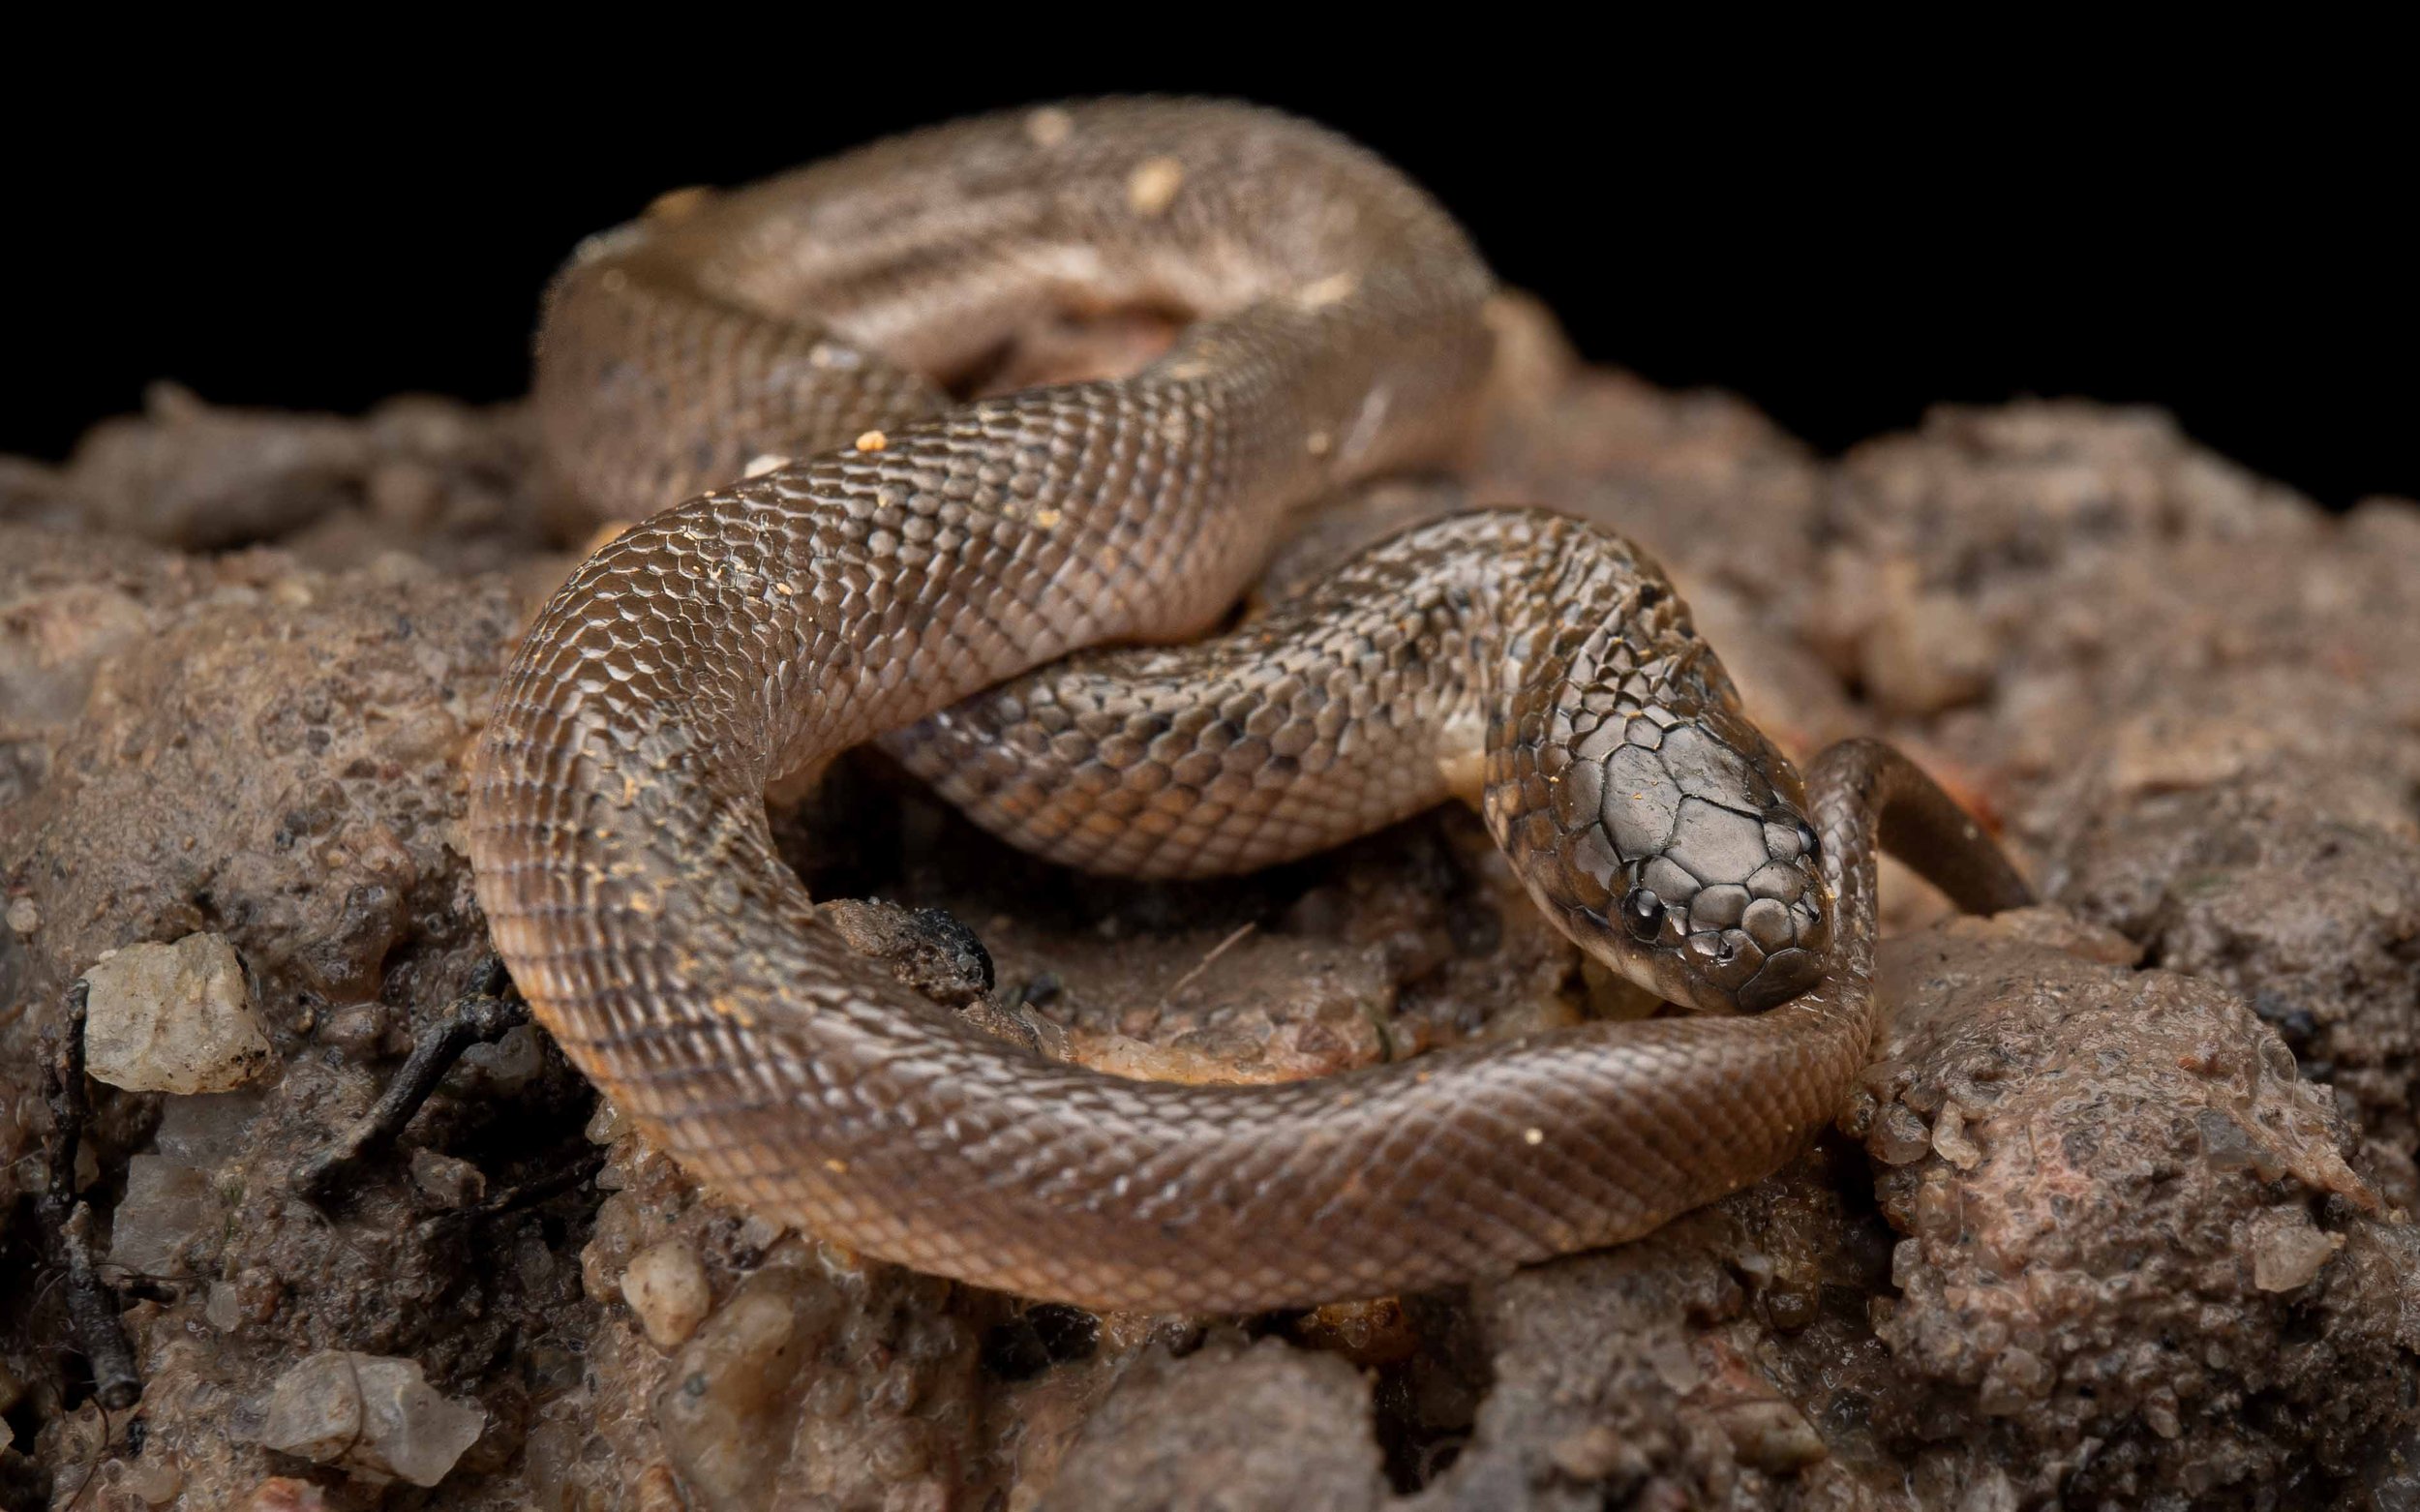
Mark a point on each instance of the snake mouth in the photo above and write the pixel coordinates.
(1759, 957)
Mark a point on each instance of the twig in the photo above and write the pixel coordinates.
(92, 1308)
(554, 1183)
(485, 1012)
(1204, 964)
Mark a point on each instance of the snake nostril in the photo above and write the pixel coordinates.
(1644, 913)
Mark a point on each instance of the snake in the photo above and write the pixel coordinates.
(842, 539)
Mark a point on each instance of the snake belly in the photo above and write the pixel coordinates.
(853, 588)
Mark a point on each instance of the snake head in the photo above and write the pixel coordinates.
(1676, 851)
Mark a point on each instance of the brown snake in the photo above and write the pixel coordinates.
(618, 824)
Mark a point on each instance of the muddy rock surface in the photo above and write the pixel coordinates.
(2118, 1218)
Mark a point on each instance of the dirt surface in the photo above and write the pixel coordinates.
(2117, 1219)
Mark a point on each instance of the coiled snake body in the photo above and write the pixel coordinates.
(617, 821)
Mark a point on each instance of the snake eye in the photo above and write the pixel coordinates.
(1644, 912)
(1808, 844)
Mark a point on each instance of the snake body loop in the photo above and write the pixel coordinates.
(616, 822)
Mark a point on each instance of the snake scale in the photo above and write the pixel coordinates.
(868, 553)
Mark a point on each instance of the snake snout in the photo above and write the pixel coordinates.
(1748, 901)
(1718, 896)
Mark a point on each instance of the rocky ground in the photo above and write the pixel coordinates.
(2117, 1219)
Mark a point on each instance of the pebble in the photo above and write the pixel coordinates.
(1950, 1140)
(1990, 1492)
(153, 1480)
(512, 1062)
(173, 1018)
(667, 1291)
(2287, 1249)
(606, 1124)
(374, 1416)
(1153, 185)
(2015, 1377)
(447, 1180)
(1907, 1257)
(167, 1202)
(284, 1494)
(208, 1129)
(1770, 1436)
(1929, 652)
(1901, 1138)
(724, 1406)
(659, 1490)
(1592, 1453)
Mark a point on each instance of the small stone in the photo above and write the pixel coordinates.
(173, 1018)
(2227, 1145)
(2017, 1377)
(1153, 185)
(659, 1490)
(1674, 1364)
(1770, 1436)
(1907, 1257)
(207, 1130)
(2159, 1413)
(1591, 1453)
(727, 1392)
(667, 1291)
(1899, 1136)
(534, 1259)
(23, 917)
(374, 1416)
(284, 1494)
(224, 1308)
(153, 1480)
(512, 1062)
(1990, 1492)
(1049, 127)
(1950, 1140)
(606, 1124)
(363, 1031)
(1790, 1305)
(447, 1180)
(1929, 652)
(759, 1232)
(167, 1203)
(2287, 1249)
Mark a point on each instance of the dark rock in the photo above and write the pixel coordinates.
(2144, 1224)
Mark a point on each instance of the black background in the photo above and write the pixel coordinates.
(1842, 229)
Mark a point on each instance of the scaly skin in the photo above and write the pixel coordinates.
(617, 821)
